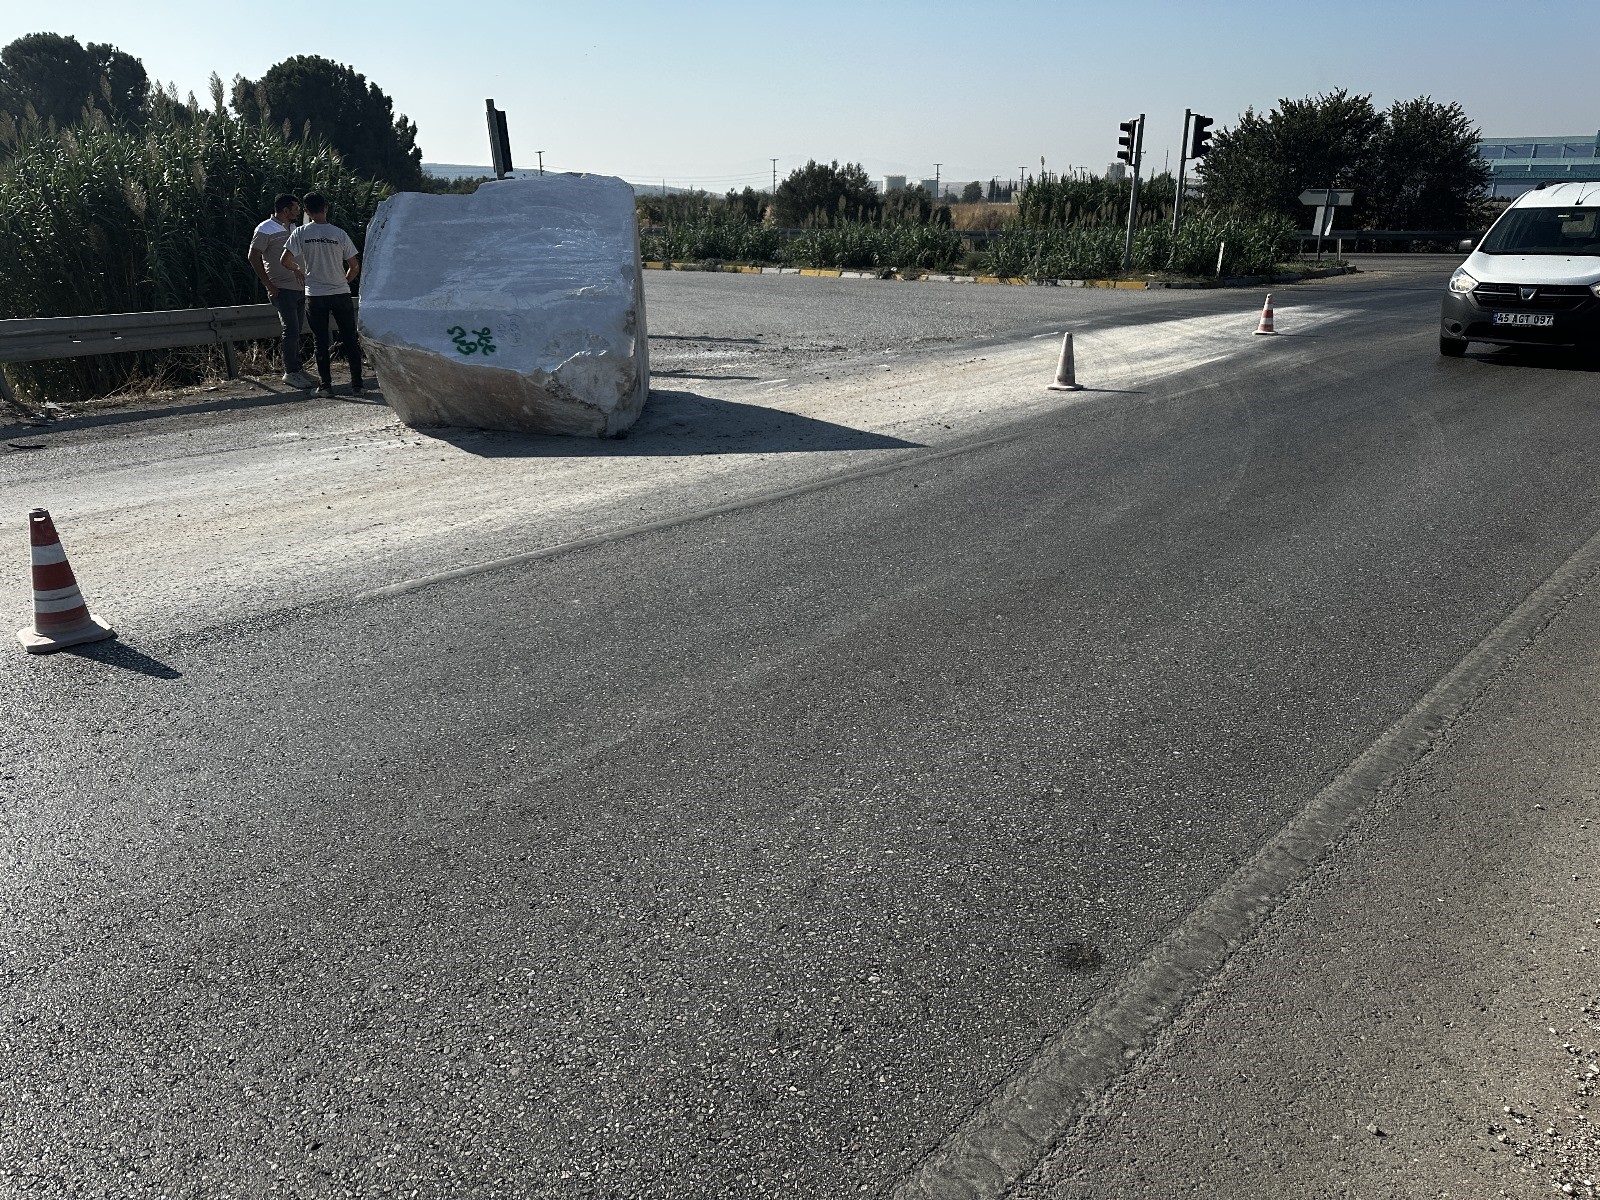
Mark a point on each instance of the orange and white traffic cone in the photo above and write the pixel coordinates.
(1066, 370)
(1266, 317)
(61, 617)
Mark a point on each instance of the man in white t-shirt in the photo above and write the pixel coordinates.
(327, 257)
(285, 288)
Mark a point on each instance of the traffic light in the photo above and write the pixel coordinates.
(1130, 130)
(1200, 139)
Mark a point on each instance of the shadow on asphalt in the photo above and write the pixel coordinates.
(128, 416)
(120, 654)
(271, 397)
(682, 423)
(1534, 356)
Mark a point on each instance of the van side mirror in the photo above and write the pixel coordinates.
(1466, 245)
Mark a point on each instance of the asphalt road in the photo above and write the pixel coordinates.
(751, 853)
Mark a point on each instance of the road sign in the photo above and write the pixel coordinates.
(1321, 196)
(1322, 223)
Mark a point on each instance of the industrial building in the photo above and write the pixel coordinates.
(1518, 164)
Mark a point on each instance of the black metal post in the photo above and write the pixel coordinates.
(1183, 159)
(1133, 196)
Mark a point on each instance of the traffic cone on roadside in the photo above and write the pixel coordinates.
(61, 617)
(1266, 317)
(1066, 371)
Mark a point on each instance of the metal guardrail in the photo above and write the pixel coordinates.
(978, 238)
(975, 237)
(1375, 236)
(41, 339)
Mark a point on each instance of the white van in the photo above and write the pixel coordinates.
(1534, 280)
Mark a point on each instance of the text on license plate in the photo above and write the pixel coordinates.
(1524, 319)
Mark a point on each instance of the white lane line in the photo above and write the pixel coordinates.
(1013, 1130)
(770, 382)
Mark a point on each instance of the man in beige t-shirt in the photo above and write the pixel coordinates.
(285, 288)
(325, 255)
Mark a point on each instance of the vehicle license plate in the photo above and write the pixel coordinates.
(1524, 319)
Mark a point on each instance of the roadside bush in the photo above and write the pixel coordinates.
(1253, 247)
(717, 237)
(1077, 253)
(862, 245)
(1053, 201)
(102, 220)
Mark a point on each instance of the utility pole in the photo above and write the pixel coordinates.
(936, 167)
(774, 179)
(540, 153)
(1133, 141)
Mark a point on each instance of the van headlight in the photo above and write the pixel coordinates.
(1595, 288)
(1461, 283)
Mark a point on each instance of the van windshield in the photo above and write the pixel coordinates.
(1545, 231)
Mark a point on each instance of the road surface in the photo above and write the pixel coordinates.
(871, 776)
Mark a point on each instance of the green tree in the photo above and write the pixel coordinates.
(749, 204)
(908, 205)
(1263, 164)
(58, 78)
(972, 193)
(820, 194)
(337, 103)
(1424, 171)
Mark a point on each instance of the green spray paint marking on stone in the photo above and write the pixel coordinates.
(480, 341)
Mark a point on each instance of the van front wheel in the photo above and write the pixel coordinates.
(1452, 347)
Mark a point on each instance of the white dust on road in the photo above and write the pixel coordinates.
(188, 524)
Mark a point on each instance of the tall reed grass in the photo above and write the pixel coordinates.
(1254, 246)
(1056, 201)
(852, 244)
(99, 219)
(720, 236)
(862, 245)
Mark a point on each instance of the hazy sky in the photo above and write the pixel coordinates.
(707, 94)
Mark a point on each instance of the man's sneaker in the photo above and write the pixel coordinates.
(357, 389)
(300, 379)
(323, 390)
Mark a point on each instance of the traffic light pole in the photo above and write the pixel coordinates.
(1183, 161)
(1133, 196)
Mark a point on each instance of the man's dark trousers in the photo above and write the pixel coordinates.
(342, 309)
(291, 306)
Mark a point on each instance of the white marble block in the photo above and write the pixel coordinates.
(519, 307)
